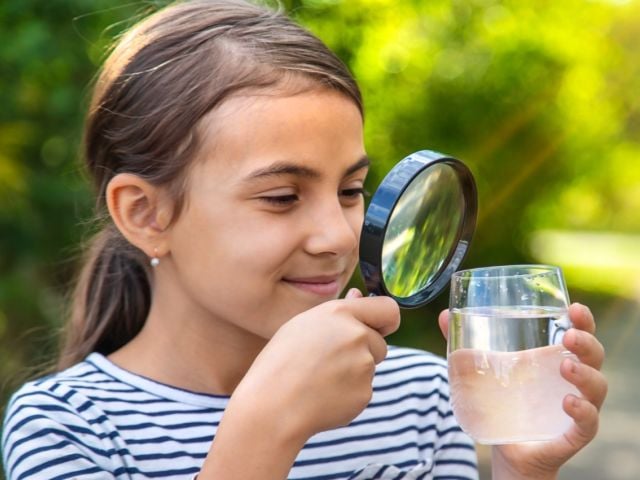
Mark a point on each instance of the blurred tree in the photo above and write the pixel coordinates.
(539, 98)
(49, 52)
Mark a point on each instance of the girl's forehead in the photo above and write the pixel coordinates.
(319, 129)
(277, 107)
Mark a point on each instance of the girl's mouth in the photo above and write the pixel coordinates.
(323, 285)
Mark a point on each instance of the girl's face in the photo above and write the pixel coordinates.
(273, 212)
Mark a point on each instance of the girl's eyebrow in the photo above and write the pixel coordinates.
(289, 168)
(364, 162)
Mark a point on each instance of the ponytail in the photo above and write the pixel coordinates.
(111, 300)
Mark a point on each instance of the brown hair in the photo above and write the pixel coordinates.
(162, 78)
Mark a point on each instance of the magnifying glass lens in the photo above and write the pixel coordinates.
(422, 229)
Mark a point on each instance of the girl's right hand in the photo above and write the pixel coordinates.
(315, 374)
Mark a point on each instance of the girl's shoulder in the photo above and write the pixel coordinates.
(58, 395)
(57, 387)
(81, 373)
(50, 407)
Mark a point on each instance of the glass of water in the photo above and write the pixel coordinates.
(504, 353)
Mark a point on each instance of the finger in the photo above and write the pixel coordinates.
(591, 382)
(585, 416)
(582, 318)
(380, 313)
(443, 322)
(586, 347)
(353, 293)
(377, 346)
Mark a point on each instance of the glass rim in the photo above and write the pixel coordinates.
(544, 269)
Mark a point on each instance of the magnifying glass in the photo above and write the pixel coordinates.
(418, 227)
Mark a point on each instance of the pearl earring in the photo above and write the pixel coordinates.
(155, 261)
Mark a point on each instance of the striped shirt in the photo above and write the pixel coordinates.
(98, 421)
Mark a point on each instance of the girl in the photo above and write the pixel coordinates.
(206, 338)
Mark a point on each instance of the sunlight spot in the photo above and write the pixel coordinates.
(607, 262)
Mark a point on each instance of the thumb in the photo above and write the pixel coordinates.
(443, 322)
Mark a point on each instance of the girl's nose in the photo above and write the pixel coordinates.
(334, 230)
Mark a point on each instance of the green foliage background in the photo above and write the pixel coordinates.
(539, 97)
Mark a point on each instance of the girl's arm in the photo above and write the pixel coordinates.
(315, 374)
(252, 443)
(44, 436)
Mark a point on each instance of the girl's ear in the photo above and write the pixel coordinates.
(141, 211)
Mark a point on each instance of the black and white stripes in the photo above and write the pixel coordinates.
(97, 421)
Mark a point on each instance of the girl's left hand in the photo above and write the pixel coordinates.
(542, 460)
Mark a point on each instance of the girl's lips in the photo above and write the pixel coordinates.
(324, 286)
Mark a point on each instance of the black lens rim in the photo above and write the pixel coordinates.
(379, 212)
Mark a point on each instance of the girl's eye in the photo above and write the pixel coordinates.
(280, 200)
(354, 192)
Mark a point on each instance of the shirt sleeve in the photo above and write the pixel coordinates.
(45, 437)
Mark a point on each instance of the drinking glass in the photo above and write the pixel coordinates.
(505, 350)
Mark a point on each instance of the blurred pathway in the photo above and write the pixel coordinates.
(615, 453)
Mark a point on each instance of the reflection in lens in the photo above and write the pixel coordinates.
(422, 230)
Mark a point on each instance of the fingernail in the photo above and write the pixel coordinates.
(575, 402)
(573, 365)
(572, 335)
(353, 293)
(574, 368)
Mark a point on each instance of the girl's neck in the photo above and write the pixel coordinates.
(188, 349)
